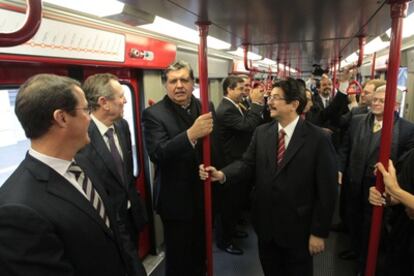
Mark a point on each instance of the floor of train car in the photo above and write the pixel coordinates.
(326, 264)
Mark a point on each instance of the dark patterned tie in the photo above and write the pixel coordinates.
(281, 147)
(115, 153)
(92, 195)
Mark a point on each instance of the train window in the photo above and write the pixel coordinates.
(129, 116)
(13, 142)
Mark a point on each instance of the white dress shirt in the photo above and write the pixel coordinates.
(103, 129)
(289, 129)
(60, 166)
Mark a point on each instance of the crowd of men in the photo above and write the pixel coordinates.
(72, 208)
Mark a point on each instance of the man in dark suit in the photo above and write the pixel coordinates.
(327, 110)
(358, 156)
(111, 157)
(364, 105)
(172, 130)
(294, 168)
(235, 127)
(55, 217)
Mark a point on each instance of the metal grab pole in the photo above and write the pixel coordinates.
(374, 57)
(28, 30)
(334, 79)
(398, 11)
(202, 74)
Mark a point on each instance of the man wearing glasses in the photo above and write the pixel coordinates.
(55, 216)
(293, 164)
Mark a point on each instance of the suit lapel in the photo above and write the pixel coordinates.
(99, 144)
(124, 148)
(60, 187)
(296, 142)
(272, 145)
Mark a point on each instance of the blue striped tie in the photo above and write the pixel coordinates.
(92, 195)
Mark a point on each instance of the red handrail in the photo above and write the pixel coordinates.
(354, 82)
(28, 30)
(361, 40)
(246, 62)
(374, 57)
(398, 11)
(202, 75)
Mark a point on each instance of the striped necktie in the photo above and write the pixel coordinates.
(281, 146)
(92, 195)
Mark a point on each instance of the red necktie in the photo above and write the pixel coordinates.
(281, 147)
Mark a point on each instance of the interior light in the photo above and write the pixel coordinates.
(174, 30)
(96, 7)
(240, 53)
(375, 45)
(267, 61)
(408, 24)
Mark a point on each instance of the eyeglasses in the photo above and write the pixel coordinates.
(275, 97)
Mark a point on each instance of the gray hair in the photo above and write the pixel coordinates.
(398, 95)
(96, 86)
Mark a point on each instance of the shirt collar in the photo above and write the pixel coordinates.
(59, 165)
(290, 128)
(101, 126)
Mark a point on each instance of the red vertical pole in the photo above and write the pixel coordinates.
(334, 78)
(374, 57)
(202, 74)
(398, 11)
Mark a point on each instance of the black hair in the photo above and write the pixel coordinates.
(39, 97)
(231, 82)
(293, 91)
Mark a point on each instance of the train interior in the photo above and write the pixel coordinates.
(136, 40)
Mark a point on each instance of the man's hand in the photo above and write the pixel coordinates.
(202, 126)
(212, 172)
(257, 95)
(375, 197)
(316, 245)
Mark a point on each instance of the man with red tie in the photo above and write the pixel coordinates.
(294, 169)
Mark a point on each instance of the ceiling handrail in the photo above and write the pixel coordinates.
(361, 42)
(28, 30)
(246, 62)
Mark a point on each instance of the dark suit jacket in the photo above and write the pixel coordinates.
(346, 118)
(328, 117)
(236, 130)
(98, 154)
(357, 148)
(178, 188)
(47, 227)
(297, 199)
